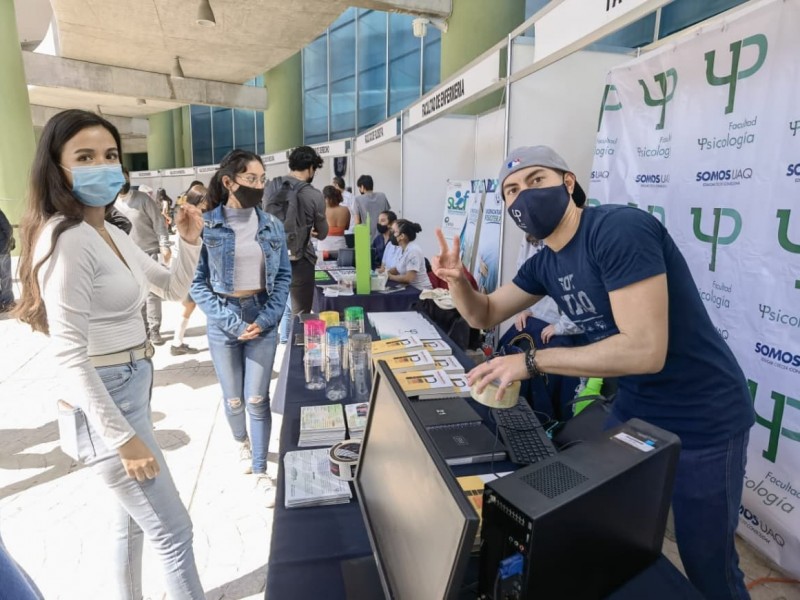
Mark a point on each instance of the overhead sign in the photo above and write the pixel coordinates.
(574, 24)
(457, 90)
(184, 171)
(207, 169)
(276, 158)
(335, 148)
(377, 135)
(145, 174)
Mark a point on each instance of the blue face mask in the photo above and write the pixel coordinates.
(538, 211)
(97, 185)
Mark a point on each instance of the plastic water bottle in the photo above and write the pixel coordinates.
(336, 363)
(360, 366)
(314, 332)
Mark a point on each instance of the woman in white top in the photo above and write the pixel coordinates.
(410, 267)
(84, 283)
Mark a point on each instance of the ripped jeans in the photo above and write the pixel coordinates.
(244, 370)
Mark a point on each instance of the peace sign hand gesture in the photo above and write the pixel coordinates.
(447, 264)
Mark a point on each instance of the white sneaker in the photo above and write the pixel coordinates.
(246, 457)
(264, 486)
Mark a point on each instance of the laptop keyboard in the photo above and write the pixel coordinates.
(523, 435)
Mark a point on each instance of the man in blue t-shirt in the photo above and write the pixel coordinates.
(616, 273)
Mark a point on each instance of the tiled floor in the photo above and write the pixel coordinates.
(53, 514)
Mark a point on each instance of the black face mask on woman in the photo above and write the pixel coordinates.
(248, 197)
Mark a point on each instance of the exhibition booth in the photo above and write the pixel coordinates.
(613, 117)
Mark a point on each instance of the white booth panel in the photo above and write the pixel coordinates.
(383, 164)
(440, 150)
(489, 151)
(276, 170)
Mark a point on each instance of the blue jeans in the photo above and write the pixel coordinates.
(244, 370)
(14, 582)
(285, 325)
(150, 508)
(6, 291)
(705, 504)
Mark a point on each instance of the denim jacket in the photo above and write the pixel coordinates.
(214, 275)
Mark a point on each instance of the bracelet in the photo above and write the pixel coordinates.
(530, 363)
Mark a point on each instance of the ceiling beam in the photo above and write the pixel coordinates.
(127, 126)
(433, 8)
(57, 72)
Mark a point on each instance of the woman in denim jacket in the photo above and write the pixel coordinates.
(241, 284)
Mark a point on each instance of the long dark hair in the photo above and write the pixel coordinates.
(49, 194)
(232, 164)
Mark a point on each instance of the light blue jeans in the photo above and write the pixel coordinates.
(14, 582)
(150, 508)
(244, 370)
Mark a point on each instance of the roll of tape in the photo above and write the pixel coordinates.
(343, 459)
(488, 397)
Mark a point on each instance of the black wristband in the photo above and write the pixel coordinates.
(530, 363)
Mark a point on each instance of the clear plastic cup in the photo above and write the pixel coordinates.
(313, 360)
(336, 362)
(360, 366)
(354, 319)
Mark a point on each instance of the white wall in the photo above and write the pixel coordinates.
(489, 151)
(441, 150)
(383, 164)
(274, 170)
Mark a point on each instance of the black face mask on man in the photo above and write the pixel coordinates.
(538, 211)
(248, 197)
(382, 228)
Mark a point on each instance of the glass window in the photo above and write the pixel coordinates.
(343, 80)
(683, 13)
(244, 129)
(404, 66)
(432, 60)
(201, 136)
(638, 33)
(260, 132)
(371, 68)
(315, 86)
(222, 124)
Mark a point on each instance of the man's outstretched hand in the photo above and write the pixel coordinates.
(447, 264)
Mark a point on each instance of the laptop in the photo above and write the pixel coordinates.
(467, 443)
(445, 411)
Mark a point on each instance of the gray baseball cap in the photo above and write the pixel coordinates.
(538, 156)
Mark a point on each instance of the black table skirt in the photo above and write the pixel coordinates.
(373, 302)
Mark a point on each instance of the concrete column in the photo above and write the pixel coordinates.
(17, 142)
(186, 119)
(283, 119)
(474, 27)
(177, 129)
(161, 141)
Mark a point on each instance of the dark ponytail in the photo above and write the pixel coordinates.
(408, 229)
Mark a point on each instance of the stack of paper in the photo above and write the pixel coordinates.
(321, 425)
(382, 349)
(403, 323)
(309, 481)
(356, 419)
(437, 347)
(460, 385)
(417, 360)
(426, 384)
(448, 364)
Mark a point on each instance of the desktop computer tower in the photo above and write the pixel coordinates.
(581, 523)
